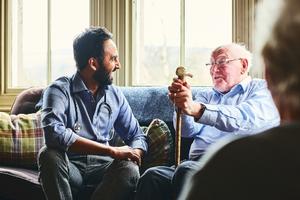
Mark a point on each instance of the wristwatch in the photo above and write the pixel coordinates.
(203, 107)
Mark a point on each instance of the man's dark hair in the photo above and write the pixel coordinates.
(89, 44)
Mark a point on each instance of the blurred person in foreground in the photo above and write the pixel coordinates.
(266, 165)
(236, 105)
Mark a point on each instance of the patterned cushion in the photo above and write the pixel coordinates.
(21, 137)
(160, 145)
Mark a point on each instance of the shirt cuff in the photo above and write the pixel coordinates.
(72, 137)
(209, 117)
(139, 144)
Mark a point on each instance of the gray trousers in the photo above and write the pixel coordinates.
(64, 177)
(164, 183)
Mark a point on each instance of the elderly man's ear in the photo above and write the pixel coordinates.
(245, 65)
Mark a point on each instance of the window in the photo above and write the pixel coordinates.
(153, 38)
(42, 33)
(170, 33)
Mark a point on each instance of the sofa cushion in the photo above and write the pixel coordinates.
(160, 145)
(21, 137)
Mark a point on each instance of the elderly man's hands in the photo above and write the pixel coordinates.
(180, 94)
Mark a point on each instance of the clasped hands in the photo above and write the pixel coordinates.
(180, 94)
(127, 153)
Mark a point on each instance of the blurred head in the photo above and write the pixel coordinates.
(229, 65)
(94, 47)
(281, 54)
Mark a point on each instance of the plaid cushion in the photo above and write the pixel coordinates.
(21, 137)
(160, 145)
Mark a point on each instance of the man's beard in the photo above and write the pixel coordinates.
(102, 76)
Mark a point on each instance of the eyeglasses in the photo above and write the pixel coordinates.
(222, 61)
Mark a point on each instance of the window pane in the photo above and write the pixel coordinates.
(208, 25)
(157, 47)
(31, 39)
(69, 18)
(157, 41)
(29, 43)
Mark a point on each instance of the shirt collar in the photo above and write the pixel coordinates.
(77, 83)
(240, 86)
(244, 83)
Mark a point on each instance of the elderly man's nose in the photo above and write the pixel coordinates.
(214, 67)
(118, 65)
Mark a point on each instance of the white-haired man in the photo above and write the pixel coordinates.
(236, 105)
(266, 165)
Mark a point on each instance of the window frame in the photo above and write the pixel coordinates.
(118, 17)
(6, 97)
(7, 93)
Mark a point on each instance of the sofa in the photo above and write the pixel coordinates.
(147, 103)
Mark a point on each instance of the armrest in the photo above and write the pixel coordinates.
(25, 101)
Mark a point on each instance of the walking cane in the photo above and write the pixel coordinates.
(181, 73)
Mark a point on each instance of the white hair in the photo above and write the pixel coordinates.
(241, 48)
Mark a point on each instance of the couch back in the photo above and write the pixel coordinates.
(25, 101)
(147, 103)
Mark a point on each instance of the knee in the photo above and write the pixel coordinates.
(153, 176)
(155, 184)
(51, 158)
(145, 179)
(128, 170)
(182, 171)
(131, 168)
(148, 176)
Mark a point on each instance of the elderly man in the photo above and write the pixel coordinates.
(266, 165)
(236, 105)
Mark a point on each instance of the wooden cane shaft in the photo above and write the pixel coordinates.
(181, 73)
(178, 133)
(178, 138)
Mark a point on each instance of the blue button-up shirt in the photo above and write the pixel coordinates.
(248, 108)
(67, 101)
